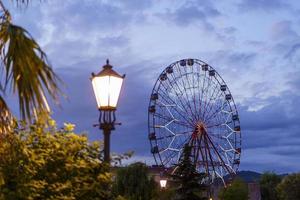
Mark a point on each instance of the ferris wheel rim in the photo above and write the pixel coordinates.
(157, 83)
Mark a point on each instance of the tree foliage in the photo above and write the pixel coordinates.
(289, 188)
(133, 182)
(187, 178)
(6, 118)
(41, 162)
(238, 190)
(268, 182)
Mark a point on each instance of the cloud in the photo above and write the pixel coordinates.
(293, 80)
(73, 31)
(262, 159)
(236, 58)
(283, 30)
(285, 43)
(134, 5)
(279, 112)
(265, 5)
(271, 134)
(191, 12)
(293, 53)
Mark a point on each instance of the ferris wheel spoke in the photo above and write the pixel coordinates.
(166, 136)
(203, 162)
(172, 135)
(173, 120)
(175, 109)
(169, 87)
(214, 125)
(182, 143)
(185, 92)
(217, 137)
(198, 93)
(220, 106)
(201, 96)
(216, 121)
(209, 104)
(168, 157)
(191, 89)
(204, 90)
(194, 95)
(205, 156)
(218, 154)
(205, 100)
(180, 101)
(212, 161)
(175, 150)
(201, 92)
(189, 92)
(196, 153)
(212, 103)
(217, 111)
(171, 84)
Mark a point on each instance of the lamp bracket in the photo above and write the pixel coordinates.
(107, 120)
(116, 124)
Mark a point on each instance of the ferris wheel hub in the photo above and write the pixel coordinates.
(200, 127)
(199, 130)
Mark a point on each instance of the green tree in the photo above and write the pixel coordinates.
(165, 194)
(289, 187)
(119, 197)
(41, 162)
(133, 182)
(268, 182)
(238, 190)
(187, 179)
(25, 71)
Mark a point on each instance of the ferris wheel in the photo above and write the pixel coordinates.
(191, 104)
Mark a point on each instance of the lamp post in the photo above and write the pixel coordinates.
(107, 86)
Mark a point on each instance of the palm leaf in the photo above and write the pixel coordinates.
(6, 119)
(27, 70)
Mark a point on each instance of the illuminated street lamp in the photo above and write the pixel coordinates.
(107, 86)
(163, 183)
(163, 179)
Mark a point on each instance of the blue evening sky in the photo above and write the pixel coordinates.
(253, 44)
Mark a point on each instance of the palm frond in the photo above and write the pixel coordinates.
(27, 70)
(6, 118)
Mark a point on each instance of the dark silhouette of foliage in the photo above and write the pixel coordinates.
(187, 179)
(133, 182)
(237, 190)
(289, 187)
(268, 182)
